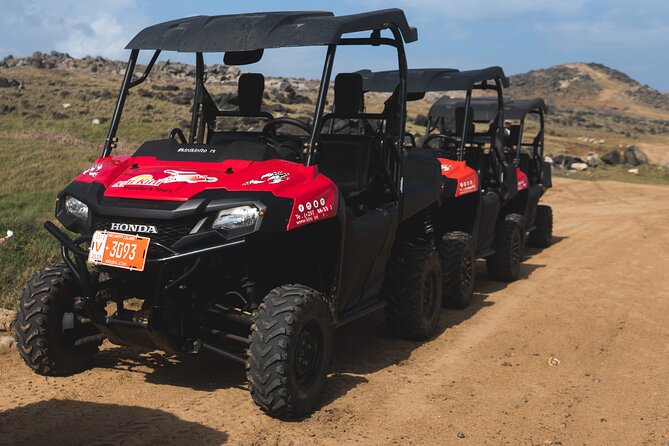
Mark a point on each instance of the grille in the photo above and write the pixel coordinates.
(168, 232)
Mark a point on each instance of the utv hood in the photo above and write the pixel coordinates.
(314, 196)
(147, 178)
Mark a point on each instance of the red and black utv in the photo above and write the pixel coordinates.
(478, 179)
(253, 245)
(527, 154)
(534, 173)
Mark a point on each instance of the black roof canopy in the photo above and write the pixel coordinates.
(419, 80)
(518, 109)
(432, 79)
(254, 31)
(485, 109)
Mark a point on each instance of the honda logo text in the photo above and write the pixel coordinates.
(125, 227)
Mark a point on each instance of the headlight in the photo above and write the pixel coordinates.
(76, 208)
(237, 218)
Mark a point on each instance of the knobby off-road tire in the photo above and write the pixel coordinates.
(290, 351)
(458, 261)
(509, 246)
(542, 236)
(413, 290)
(41, 341)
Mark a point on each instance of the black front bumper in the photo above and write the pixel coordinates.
(123, 331)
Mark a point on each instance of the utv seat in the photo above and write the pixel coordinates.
(525, 163)
(349, 108)
(250, 91)
(346, 159)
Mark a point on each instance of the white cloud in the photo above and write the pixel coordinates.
(79, 28)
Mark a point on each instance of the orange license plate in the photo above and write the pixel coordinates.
(119, 250)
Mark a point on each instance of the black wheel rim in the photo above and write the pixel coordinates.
(467, 274)
(308, 353)
(429, 294)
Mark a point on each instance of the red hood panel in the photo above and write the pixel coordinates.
(147, 178)
(467, 178)
(523, 183)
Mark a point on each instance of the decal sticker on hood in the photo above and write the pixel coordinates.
(93, 171)
(270, 178)
(175, 176)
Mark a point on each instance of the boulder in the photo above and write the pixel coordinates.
(593, 160)
(7, 318)
(634, 171)
(612, 158)
(8, 83)
(567, 160)
(6, 343)
(7, 109)
(579, 167)
(287, 94)
(165, 87)
(635, 156)
(421, 120)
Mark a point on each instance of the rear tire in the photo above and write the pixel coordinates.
(458, 259)
(414, 290)
(290, 351)
(504, 265)
(542, 236)
(41, 341)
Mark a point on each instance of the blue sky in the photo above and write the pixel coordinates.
(520, 35)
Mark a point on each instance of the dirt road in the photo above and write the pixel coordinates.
(597, 302)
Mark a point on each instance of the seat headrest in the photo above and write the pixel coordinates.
(460, 122)
(251, 90)
(349, 96)
(514, 134)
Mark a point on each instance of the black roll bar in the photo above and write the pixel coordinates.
(320, 104)
(123, 94)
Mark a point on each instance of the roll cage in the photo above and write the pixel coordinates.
(421, 81)
(246, 36)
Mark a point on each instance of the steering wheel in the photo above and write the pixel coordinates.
(178, 132)
(269, 130)
(441, 136)
(440, 151)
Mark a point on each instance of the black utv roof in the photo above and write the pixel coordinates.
(432, 79)
(485, 109)
(419, 80)
(518, 109)
(247, 32)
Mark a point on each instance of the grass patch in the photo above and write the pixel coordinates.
(647, 175)
(33, 172)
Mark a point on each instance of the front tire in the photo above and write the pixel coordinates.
(504, 265)
(458, 261)
(290, 351)
(542, 235)
(414, 291)
(42, 342)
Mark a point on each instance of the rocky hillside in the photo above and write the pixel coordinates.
(581, 83)
(593, 105)
(594, 108)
